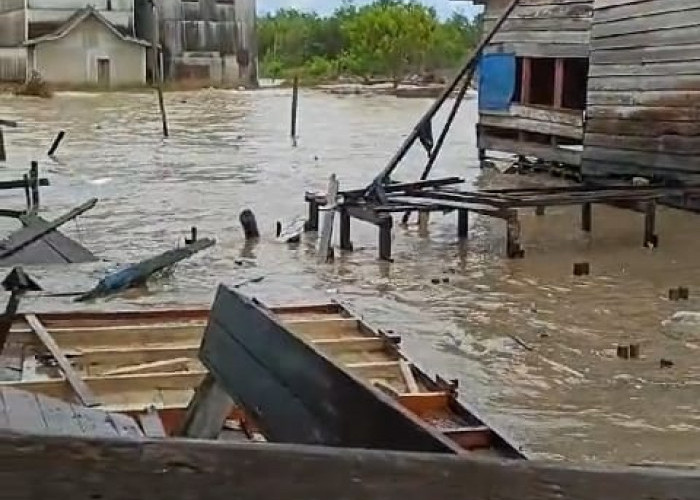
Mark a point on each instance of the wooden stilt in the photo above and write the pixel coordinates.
(586, 217)
(462, 223)
(27, 194)
(650, 238)
(34, 179)
(312, 221)
(295, 105)
(345, 242)
(3, 154)
(207, 411)
(385, 238)
(513, 247)
(423, 221)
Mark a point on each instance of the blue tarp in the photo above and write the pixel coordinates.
(496, 81)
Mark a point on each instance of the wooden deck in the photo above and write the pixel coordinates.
(24, 412)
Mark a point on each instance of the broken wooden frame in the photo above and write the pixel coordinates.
(132, 361)
(437, 196)
(82, 468)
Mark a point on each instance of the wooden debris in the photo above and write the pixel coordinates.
(207, 411)
(81, 389)
(137, 274)
(250, 225)
(582, 269)
(56, 142)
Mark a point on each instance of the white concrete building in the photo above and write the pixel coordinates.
(88, 50)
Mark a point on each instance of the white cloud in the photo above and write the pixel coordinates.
(443, 7)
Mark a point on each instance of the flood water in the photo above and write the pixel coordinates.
(567, 397)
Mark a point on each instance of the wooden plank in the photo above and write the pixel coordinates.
(544, 152)
(165, 365)
(207, 411)
(94, 423)
(665, 82)
(301, 396)
(324, 243)
(470, 438)
(151, 424)
(539, 49)
(37, 233)
(23, 412)
(408, 376)
(647, 24)
(646, 55)
(111, 469)
(59, 417)
(559, 83)
(640, 128)
(350, 344)
(125, 426)
(525, 80)
(664, 144)
(126, 387)
(81, 389)
(529, 125)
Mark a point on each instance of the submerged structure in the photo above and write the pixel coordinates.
(607, 88)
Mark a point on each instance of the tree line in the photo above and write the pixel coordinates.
(385, 39)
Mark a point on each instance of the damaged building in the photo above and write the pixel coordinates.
(610, 88)
(209, 42)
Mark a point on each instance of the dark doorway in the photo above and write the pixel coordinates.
(103, 76)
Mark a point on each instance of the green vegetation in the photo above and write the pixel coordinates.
(386, 39)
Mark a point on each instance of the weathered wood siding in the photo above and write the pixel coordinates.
(541, 28)
(643, 115)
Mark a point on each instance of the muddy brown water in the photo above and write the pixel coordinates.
(568, 397)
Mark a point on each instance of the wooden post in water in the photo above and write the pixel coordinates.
(56, 142)
(462, 223)
(312, 220)
(650, 238)
(385, 238)
(250, 225)
(155, 71)
(295, 105)
(3, 154)
(27, 195)
(513, 248)
(345, 242)
(34, 180)
(586, 217)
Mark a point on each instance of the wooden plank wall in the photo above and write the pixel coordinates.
(643, 115)
(541, 28)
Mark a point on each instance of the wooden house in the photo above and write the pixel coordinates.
(643, 114)
(532, 79)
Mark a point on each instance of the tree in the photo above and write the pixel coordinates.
(390, 35)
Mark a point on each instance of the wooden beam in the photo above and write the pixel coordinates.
(350, 344)
(117, 468)
(83, 392)
(408, 376)
(421, 403)
(207, 411)
(470, 438)
(526, 80)
(177, 364)
(151, 424)
(559, 83)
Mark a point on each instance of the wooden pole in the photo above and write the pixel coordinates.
(385, 238)
(34, 179)
(3, 154)
(466, 69)
(462, 223)
(586, 217)
(650, 238)
(56, 142)
(156, 75)
(250, 225)
(295, 105)
(345, 242)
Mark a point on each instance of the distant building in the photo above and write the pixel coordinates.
(88, 50)
(23, 21)
(209, 41)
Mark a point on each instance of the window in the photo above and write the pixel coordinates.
(552, 82)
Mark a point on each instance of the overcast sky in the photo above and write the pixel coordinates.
(444, 7)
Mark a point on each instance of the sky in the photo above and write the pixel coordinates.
(443, 7)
